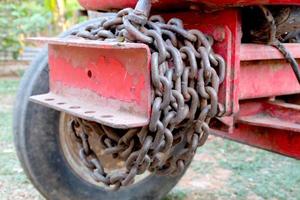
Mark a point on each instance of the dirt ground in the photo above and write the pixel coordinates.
(220, 170)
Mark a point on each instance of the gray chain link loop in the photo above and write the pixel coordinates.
(185, 75)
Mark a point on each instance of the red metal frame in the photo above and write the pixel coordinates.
(255, 75)
(259, 73)
(269, 125)
(265, 73)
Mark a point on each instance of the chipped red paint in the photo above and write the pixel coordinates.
(100, 71)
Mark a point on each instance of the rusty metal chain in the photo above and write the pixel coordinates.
(185, 75)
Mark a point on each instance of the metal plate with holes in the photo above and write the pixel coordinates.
(103, 82)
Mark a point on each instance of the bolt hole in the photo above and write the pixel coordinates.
(74, 107)
(106, 116)
(89, 73)
(49, 99)
(89, 112)
(61, 103)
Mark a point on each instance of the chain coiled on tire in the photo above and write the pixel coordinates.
(186, 75)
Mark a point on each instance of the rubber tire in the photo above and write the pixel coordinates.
(38, 147)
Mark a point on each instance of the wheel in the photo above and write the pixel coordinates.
(38, 145)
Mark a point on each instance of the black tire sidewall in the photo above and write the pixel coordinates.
(36, 135)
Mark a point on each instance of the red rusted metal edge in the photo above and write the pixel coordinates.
(270, 114)
(103, 82)
(251, 52)
(268, 121)
(79, 42)
(275, 140)
(90, 111)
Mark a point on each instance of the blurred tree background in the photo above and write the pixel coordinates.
(20, 19)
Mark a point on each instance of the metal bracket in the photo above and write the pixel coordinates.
(108, 83)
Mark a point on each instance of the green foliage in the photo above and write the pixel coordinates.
(22, 19)
(63, 12)
(50, 5)
(18, 20)
(69, 5)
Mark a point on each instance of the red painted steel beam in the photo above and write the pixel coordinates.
(179, 4)
(269, 125)
(275, 140)
(251, 52)
(264, 72)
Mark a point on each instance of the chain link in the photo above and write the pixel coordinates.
(185, 75)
